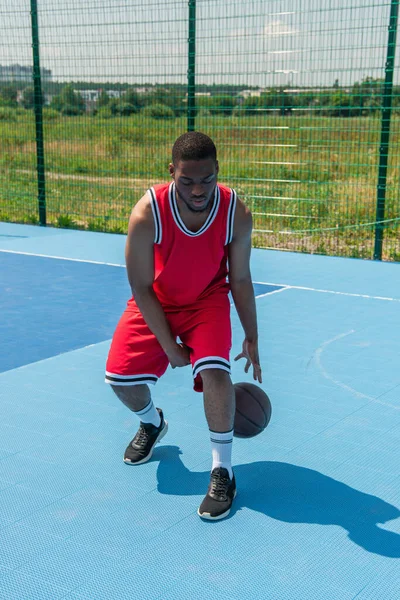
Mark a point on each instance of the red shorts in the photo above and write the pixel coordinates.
(136, 357)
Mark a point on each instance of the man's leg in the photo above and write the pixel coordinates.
(207, 332)
(135, 397)
(135, 360)
(138, 399)
(152, 426)
(219, 399)
(219, 406)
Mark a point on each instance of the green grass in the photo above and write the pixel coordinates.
(310, 181)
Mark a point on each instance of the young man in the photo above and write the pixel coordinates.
(180, 240)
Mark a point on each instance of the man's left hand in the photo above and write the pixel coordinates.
(250, 353)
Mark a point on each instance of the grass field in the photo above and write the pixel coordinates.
(310, 181)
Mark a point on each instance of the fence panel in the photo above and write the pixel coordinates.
(18, 178)
(301, 142)
(291, 91)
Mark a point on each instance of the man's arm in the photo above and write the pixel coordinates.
(242, 287)
(139, 257)
(239, 271)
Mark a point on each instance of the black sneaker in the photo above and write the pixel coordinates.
(221, 492)
(141, 447)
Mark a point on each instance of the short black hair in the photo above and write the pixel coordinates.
(193, 145)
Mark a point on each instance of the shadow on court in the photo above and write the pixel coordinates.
(292, 494)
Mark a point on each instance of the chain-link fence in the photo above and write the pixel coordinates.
(302, 100)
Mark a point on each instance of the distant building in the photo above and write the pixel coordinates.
(315, 90)
(114, 93)
(14, 73)
(251, 93)
(143, 90)
(89, 96)
(92, 96)
(200, 94)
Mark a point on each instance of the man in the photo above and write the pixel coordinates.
(181, 238)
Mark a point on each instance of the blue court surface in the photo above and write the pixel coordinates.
(317, 515)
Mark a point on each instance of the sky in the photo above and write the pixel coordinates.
(264, 43)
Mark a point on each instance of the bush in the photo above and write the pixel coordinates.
(158, 111)
(104, 112)
(30, 219)
(7, 114)
(68, 102)
(28, 98)
(66, 222)
(203, 112)
(69, 110)
(49, 114)
(238, 111)
(123, 109)
(103, 224)
(96, 225)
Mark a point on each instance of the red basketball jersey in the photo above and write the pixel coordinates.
(190, 266)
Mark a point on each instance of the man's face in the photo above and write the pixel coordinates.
(195, 182)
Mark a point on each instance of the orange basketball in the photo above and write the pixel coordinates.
(253, 410)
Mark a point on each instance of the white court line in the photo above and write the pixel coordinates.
(81, 260)
(286, 287)
(283, 285)
(54, 357)
(340, 384)
(310, 289)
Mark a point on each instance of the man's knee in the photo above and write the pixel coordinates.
(215, 376)
(131, 395)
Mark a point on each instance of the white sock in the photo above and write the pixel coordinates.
(221, 446)
(149, 414)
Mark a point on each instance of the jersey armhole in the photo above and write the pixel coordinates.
(231, 218)
(156, 215)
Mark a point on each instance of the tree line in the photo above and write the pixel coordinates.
(361, 99)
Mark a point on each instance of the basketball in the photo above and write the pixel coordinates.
(253, 410)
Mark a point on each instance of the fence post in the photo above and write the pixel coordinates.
(191, 73)
(38, 108)
(385, 129)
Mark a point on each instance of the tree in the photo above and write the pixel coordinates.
(251, 105)
(341, 104)
(104, 99)
(204, 103)
(323, 102)
(304, 99)
(367, 95)
(223, 104)
(8, 95)
(133, 98)
(69, 102)
(371, 90)
(158, 111)
(123, 109)
(278, 99)
(172, 98)
(396, 97)
(28, 98)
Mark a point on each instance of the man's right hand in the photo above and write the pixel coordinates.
(178, 355)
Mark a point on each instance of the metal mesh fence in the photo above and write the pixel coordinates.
(300, 97)
(18, 181)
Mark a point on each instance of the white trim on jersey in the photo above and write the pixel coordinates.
(231, 217)
(177, 217)
(156, 214)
